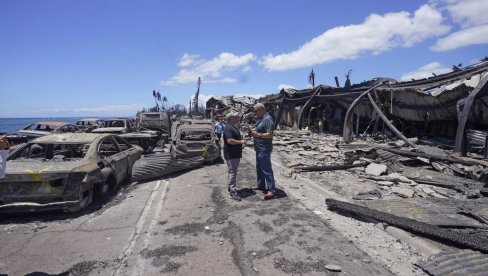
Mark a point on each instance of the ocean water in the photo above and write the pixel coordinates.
(13, 124)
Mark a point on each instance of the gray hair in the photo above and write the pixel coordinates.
(259, 106)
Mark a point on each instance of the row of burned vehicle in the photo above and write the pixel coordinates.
(142, 131)
(63, 170)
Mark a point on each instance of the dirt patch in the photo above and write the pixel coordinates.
(264, 226)
(290, 267)
(81, 268)
(240, 256)
(280, 221)
(168, 250)
(187, 229)
(171, 267)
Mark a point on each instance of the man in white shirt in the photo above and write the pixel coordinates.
(4, 146)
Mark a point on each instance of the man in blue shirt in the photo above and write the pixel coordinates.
(263, 145)
(219, 127)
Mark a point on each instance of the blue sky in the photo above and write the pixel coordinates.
(105, 57)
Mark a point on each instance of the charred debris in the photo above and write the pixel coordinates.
(422, 142)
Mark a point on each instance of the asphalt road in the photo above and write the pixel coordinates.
(184, 225)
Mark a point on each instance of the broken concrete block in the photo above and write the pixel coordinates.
(376, 169)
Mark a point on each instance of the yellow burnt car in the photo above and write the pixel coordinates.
(61, 171)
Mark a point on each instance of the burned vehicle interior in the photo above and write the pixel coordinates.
(196, 135)
(67, 151)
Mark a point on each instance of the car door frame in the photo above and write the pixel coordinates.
(118, 162)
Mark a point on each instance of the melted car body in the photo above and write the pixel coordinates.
(195, 138)
(61, 171)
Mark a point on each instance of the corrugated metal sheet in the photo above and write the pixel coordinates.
(391, 160)
(159, 164)
(456, 262)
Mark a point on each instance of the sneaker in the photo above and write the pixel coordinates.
(235, 196)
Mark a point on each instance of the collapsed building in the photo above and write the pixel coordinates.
(221, 105)
(452, 105)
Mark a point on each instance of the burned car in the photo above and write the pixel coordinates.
(39, 129)
(194, 138)
(116, 126)
(88, 124)
(61, 171)
(125, 128)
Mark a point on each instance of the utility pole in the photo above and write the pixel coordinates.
(311, 79)
(195, 101)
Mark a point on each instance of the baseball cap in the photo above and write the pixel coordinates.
(230, 115)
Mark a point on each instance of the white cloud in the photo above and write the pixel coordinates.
(466, 13)
(202, 99)
(426, 71)
(378, 33)
(285, 86)
(466, 37)
(188, 59)
(211, 71)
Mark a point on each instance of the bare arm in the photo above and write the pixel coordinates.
(232, 141)
(265, 135)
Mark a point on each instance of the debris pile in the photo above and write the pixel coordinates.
(426, 190)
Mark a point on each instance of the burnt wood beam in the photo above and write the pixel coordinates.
(421, 228)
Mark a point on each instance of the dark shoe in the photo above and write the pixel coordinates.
(235, 196)
(269, 195)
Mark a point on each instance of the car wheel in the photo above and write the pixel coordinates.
(86, 199)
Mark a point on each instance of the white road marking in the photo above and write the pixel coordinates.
(139, 267)
(137, 231)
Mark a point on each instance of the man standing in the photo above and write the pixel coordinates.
(219, 127)
(263, 145)
(233, 143)
(4, 146)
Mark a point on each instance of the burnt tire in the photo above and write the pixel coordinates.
(86, 198)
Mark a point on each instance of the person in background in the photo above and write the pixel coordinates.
(4, 147)
(219, 127)
(263, 145)
(233, 143)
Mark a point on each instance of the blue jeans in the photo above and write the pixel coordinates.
(264, 172)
